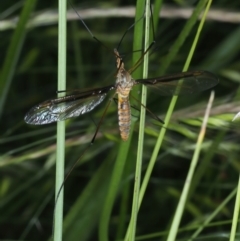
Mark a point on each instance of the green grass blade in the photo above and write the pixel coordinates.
(182, 37)
(182, 202)
(13, 52)
(235, 214)
(163, 130)
(58, 217)
(124, 147)
(214, 214)
(138, 170)
(82, 219)
(113, 188)
(156, 11)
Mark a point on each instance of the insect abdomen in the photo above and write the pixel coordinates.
(124, 117)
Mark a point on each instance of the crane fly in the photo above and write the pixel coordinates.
(81, 102)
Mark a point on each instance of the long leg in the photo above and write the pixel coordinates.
(84, 151)
(148, 110)
(140, 60)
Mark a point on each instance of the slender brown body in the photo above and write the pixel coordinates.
(124, 84)
(124, 116)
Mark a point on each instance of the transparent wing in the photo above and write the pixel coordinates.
(181, 83)
(66, 107)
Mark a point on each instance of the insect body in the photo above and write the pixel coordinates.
(124, 84)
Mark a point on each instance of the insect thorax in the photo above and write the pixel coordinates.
(124, 82)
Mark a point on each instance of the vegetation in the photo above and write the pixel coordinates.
(98, 193)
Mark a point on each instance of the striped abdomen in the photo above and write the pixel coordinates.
(124, 117)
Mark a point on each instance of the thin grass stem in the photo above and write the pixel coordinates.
(133, 221)
(60, 152)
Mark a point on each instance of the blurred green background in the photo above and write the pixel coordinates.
(27, 153)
